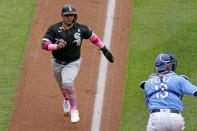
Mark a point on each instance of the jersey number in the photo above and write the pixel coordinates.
(162, 86)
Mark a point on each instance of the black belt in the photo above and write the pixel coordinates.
(163, 110)
(61, 62)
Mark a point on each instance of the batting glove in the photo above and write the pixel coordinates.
(107, 54)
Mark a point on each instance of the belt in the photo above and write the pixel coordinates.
(61, 62)
(165, 110)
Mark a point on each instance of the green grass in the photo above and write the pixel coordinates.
(15, 23)
(159, 26)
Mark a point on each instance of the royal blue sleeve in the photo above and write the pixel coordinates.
(187, 87)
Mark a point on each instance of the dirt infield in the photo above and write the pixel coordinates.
(38, 105)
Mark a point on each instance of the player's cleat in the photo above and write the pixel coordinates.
(74, 115)
(66, 107)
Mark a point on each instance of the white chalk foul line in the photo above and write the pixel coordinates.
(98, 104)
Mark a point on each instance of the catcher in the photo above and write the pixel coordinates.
(163, 95)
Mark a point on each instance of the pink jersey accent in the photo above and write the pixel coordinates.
(46, 43)
(49, 46)
(95, 40)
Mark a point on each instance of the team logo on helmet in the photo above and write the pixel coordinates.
(70, 8)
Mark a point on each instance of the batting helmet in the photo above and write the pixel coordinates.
(163, 60)
(69, 9)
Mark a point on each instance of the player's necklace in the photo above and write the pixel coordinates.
(67, 27)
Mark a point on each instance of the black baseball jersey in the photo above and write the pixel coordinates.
(73, 37)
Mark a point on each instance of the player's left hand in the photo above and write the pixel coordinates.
(61, 45)
(107, 54)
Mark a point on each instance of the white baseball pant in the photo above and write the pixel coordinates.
(65, 74)
(165, 121)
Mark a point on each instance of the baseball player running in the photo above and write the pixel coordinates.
(64, 39)
(163, 94)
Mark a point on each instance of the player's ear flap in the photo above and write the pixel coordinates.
(142, 84)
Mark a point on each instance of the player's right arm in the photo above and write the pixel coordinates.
(49, 40)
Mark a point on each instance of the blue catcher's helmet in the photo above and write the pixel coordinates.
(163, 60)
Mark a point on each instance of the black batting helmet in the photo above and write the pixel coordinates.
(69, 9)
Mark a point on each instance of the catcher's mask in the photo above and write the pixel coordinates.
(163, 60)
(69, 10)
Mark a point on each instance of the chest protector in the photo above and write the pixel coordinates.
(162, 88)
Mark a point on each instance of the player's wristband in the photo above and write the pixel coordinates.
(49, 46)
(46, 43)
(95, 40)
(52, 47)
